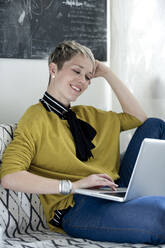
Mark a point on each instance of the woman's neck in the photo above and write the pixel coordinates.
(58, 98)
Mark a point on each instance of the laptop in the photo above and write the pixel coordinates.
(147, 179)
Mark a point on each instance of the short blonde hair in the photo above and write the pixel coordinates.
(65, 50)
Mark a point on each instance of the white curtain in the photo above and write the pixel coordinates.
(138, 51)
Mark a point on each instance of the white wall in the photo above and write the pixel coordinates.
(23, 82)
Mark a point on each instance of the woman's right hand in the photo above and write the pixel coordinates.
(100, 69)
(95, 180)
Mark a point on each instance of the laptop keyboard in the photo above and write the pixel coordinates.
(112, 191)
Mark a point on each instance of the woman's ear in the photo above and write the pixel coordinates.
(52, 69)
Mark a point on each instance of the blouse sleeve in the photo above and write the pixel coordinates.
(20, 152)
(128, 121)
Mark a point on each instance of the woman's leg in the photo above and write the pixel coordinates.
(137, 221)
(151, 128)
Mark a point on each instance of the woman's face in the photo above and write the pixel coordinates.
(72, 80)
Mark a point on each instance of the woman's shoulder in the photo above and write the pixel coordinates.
(91, 110)
(34, 114)
(85, 109)
(93, 115)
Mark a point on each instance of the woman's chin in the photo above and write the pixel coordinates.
(73, 99)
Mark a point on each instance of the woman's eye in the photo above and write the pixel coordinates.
(78, 72)
(87, 78)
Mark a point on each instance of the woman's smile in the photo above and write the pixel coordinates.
(75, 88)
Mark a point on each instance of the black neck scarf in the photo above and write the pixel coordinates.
(81, 131)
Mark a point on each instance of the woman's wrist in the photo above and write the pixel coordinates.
(74, 187)
(108, 74)
(65, 187)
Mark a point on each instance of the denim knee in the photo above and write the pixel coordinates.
(157, 225)
(154, 122)
(154, 128)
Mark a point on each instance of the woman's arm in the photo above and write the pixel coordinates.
(24, 181)
(128, 102)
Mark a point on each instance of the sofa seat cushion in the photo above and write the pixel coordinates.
(48, 239)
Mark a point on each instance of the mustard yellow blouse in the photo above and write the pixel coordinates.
(43, 145)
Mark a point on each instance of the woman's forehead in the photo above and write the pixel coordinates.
(82, 61)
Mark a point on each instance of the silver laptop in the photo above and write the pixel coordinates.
(147, 179)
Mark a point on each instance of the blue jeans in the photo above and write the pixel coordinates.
(141, 220)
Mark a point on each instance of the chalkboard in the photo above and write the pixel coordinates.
(30, 29)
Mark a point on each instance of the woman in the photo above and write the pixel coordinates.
(57, 149)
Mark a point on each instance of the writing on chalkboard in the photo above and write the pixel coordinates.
(78, 4)
(31, 29)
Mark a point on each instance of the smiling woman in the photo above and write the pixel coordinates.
(57, 149)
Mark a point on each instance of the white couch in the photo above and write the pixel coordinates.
(22, 221)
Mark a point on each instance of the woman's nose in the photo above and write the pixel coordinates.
(82, 78)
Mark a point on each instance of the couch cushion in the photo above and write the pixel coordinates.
(6, 135)
(19, 212)
(48, 239)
